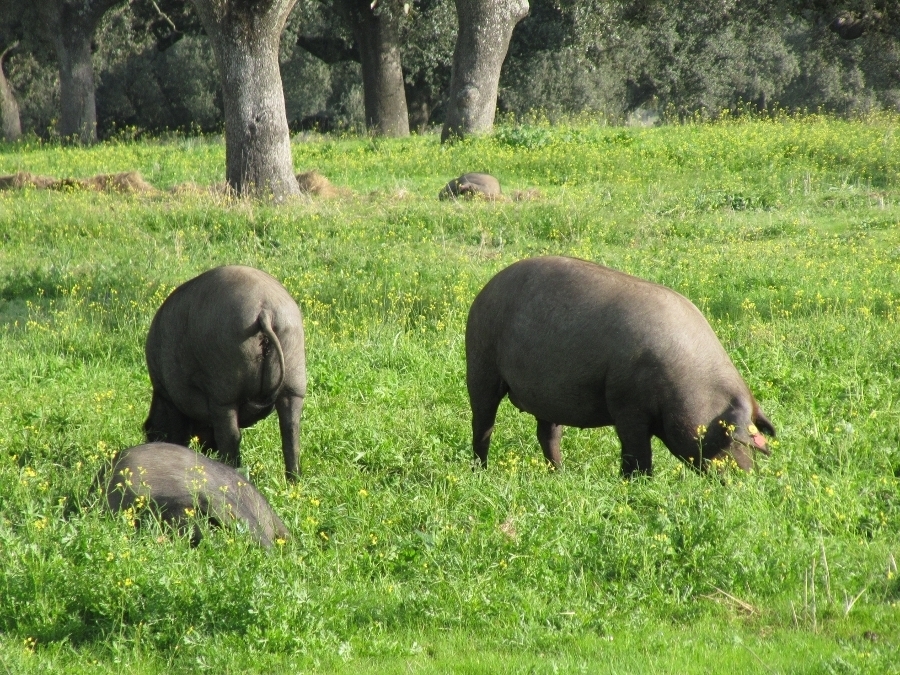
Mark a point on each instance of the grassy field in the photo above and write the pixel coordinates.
(785, 232)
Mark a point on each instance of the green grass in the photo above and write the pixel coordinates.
(785, 232)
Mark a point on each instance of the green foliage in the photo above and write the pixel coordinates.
(523, 136)
(621, 60)
(149, 90)
(689, 56)
(782, 230)
(561, 83)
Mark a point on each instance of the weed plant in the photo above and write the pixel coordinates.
(783, 231)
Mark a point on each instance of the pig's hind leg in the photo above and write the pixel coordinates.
(549, 436)
(227, 433)
(289, 410)
(485, 394)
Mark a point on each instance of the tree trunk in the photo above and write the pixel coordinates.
(78, 107)
(418, 99)
(384, 94)
(485, 28)
(70, 25)
(9, 107)
(245, 36)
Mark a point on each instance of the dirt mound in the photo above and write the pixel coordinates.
(127, 182)
(314, 183)
(24, 179)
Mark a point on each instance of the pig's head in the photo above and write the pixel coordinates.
(739, 434)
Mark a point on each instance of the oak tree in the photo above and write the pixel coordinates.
(485, 29)
(9, 106)
(375, 30)
(245, 36)
(70, 25)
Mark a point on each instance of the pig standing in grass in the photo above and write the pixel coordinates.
(178, 483)
(577, 344)
(224, 349)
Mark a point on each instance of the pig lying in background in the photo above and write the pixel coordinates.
(223, 350)
(471, 185)
(577, 344)
(178, 483)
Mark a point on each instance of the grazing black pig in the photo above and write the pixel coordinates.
(223, 350)
(577, 344)
(179, 483)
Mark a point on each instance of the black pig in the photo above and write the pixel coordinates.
(577, 344)
(472, 185)
(223, 351)
(179, 483)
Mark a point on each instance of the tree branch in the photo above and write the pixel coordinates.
(164, 16)
(6, 51)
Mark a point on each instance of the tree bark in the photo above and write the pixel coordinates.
(419, 103)
(9, 107)
(485, 28)
(70, 26)
(384, 94)
(245, 36)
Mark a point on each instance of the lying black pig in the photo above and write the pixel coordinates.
(178, 483)
(472, 185)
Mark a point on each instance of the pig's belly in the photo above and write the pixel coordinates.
(572, 405)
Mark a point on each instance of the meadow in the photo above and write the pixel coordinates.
(784, 231)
